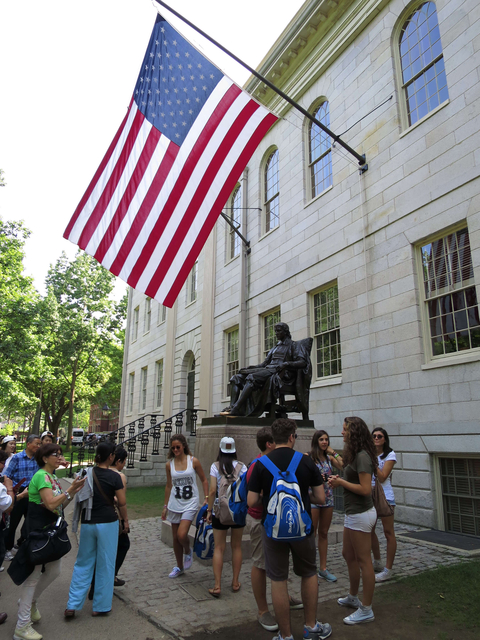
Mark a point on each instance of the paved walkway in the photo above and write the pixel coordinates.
(182, 606)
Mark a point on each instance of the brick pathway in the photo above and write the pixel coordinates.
(183, 606)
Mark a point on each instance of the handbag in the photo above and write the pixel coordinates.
(48, 544)
(383, 508)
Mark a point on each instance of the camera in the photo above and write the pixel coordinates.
(83, 473)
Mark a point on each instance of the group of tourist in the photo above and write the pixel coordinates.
(367, 458)
(31, 490)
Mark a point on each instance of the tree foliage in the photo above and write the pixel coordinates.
(64, 347)
(18, 317)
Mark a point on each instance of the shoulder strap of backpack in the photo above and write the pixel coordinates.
(274, 470)
(294, 462)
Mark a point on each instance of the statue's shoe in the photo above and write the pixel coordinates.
(225, 412)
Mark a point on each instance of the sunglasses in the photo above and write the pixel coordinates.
(57, 454)
(377, 436)
(174, 448)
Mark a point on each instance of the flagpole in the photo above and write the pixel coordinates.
(361, 158)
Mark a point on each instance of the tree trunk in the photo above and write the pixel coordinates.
(70, 406)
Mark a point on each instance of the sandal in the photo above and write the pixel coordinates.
(215, 592)
(69, 613)
(236, 587)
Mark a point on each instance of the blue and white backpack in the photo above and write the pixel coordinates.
(203, 543)
(286, 516)
(237, 501)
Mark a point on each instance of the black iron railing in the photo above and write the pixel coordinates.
(134, 435)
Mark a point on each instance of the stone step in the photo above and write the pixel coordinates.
(335, 535)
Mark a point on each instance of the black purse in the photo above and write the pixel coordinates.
(49, 544)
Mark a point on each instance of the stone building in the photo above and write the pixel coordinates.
(382, 267)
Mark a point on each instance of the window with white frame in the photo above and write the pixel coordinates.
(162, 314)
(326, 323)
(159, 384)
(271, 193)
(424, 82)
(234, 212)
(136, 319)
(192, 284)
(131, 390)
(143, 390)
(231, 348)
(269, 337)
(319, 152)
(449, 294)
(147, 321)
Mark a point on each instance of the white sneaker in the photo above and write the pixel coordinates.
(175, 572)
(10, 554)
(349, 601)
(26, 633)
(2, 569)
(384, 575)
(188, 560)
(360, 616)
(35, 613)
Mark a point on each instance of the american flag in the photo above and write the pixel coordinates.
(186, 138)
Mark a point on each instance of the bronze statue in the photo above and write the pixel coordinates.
(286, 370)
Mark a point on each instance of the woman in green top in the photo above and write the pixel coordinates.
(46, 503)
(360, 463)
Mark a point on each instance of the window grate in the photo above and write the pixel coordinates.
(461, 494)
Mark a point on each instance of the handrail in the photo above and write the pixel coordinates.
(88, 452)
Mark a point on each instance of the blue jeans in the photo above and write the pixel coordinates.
(98, 547)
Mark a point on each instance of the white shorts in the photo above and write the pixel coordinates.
(361, 521)
(176, 518)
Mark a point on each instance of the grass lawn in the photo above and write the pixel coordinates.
(145, 502)
(447, 596)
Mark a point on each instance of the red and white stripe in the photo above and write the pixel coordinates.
(152, 204)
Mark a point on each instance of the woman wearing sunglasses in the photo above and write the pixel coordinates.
(386, 460)
(182, 499)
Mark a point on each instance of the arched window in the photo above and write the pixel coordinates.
(319, 152)
(423, 71)
(271, 203)
(235, 214)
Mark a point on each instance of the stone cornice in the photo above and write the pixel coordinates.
(316, 36)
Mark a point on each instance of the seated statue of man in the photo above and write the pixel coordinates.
(256, 388)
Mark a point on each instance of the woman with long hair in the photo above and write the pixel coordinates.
(99, 534)
(46, 503)
(386, 459)
(360, 463)
(325, 458)
(225, 465)
(181, 504)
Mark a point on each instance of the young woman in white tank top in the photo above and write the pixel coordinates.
(182, 499)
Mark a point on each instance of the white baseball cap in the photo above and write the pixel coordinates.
(227, 445)
(8, 439)
(46, 433)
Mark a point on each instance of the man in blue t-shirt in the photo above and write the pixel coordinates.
(21, 469)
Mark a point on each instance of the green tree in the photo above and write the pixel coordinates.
(82, 325)
(18, 320)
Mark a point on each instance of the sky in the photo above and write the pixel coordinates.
(67, 75)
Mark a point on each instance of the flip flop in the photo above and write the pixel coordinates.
(215, 592)
(236, 588)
